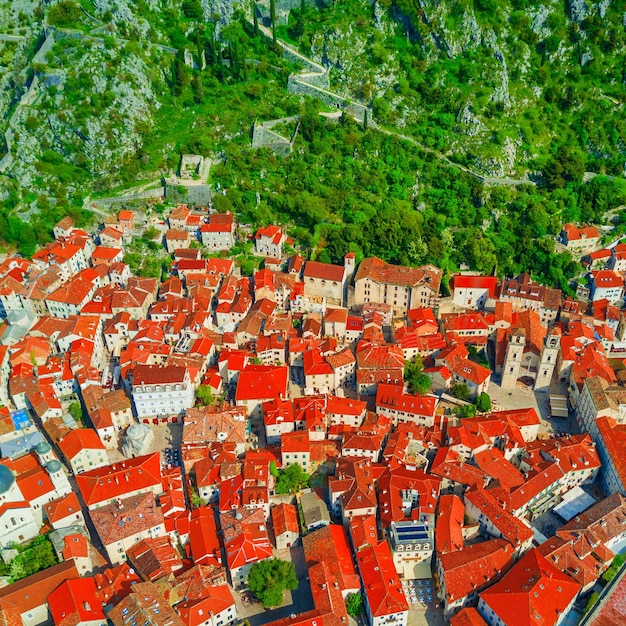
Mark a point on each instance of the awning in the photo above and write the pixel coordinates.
(575, 501)
(558, 406)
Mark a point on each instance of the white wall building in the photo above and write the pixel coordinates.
(161, 391)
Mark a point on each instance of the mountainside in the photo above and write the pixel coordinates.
(495, 84)
(481, 126)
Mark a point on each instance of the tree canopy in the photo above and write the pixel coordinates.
(205, 395)
(483, 402)
(291, 479)
(460, 391)
(417, 381)
(268, 580)
(354, 604)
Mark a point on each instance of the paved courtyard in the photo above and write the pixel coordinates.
(165, 436)
(424, 609)
(297, 601)
(522, 397)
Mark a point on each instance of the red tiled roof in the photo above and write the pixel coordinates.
(158, 375)
(116, 480)
(262, 382)
(475, 567)
(468, 616)
(380, 580)
(393, 397)
(537, 481)
(607, 279)
(105, 253)
(62, 507)
(218, 223)
(382, 272)
(154, 558)
(395, 482)
(126, 216)
(245, 537)
(78, 440)
(115, 583)
(584, 232)
(600, 524)
(75, 601)
(532, 593)
(216, 599)
(466, 281)
(379, 356)
(345, 406)
(294, 442)
(510, 527)
(110, 231)
(270, 232)
(32, 592)
(325, 271)
(205, 546)
(131, 516)
(449, 526)
(285, 519)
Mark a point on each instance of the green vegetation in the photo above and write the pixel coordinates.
(478, 82)
(417, 381)
(460, 391)
(290, 479)
(147, 258)
(467, 410)
(593, 598)
(32, 558)
(66, 14)
(269, 579)
(614, 568)
(196, 499)
(454, 89)
(483, 402)
(76, 411)
(354, 604)
(205, 395)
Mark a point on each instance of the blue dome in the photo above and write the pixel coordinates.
(53, 466)
(6, 478)
(43, 447)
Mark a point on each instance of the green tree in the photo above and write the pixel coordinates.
(17, 569)
(273, 19)
(416, 380)
(483, 402)
(76, 411)
(196, 500)
(150, 234)
(192, 9)
(467, 410)
(205, 395)
(354, 604)
(460, 391)
(65, 14)
(255, 18)
(198, 89)
(180, 74)
(291, 479)
(567, 165)
(269, 579)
